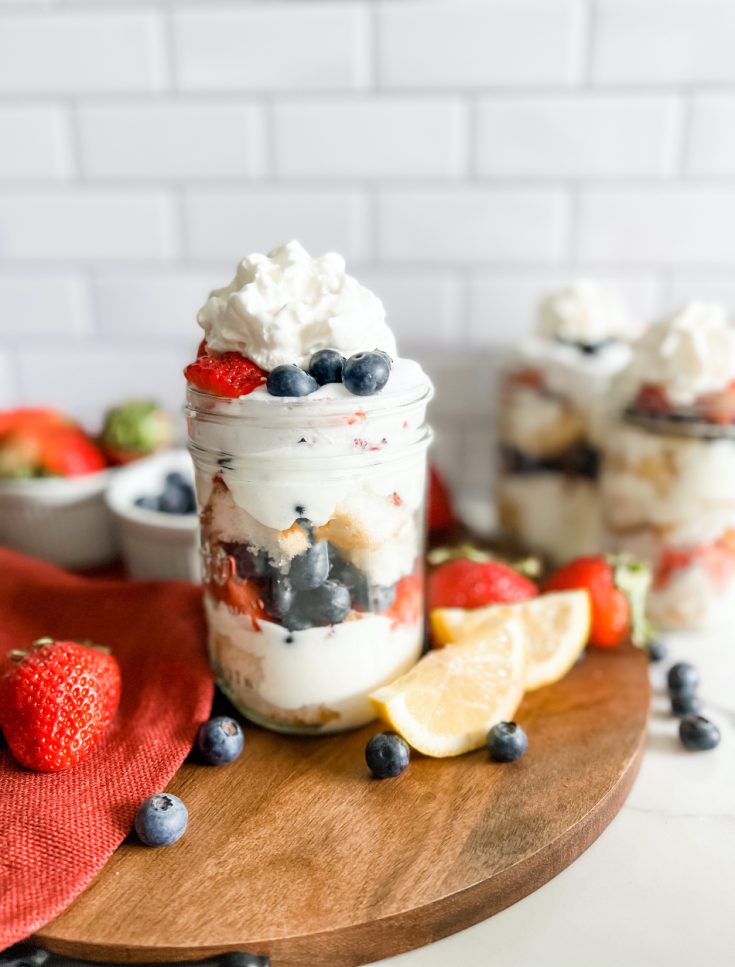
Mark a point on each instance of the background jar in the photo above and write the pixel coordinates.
(668, 496)
(312, 537)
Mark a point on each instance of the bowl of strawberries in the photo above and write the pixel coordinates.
(53, 478)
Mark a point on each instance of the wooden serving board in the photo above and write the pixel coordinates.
(295, 852)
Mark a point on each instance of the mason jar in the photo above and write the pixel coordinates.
(548, 432)
(312, 541)
(668, 496)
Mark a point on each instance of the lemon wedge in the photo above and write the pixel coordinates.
(556, 628)
(446, 704)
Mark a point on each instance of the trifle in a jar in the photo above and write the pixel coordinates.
(309, 443)
(551, 391)
(668, 484)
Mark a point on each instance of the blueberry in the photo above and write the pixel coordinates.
(177, 499)
(698, 734)
(325, 605)
(310, 569)
(685, 703)
(342, 570)
(249, 564)
(176, 479)
(657, 651)
(326, 366)
(374, 597)
(161, 819)
(278, 596)
(147, 503)
(506, 742)
(387, 755)
(682, 677)
(220, 740)
(290, 380)
(366, 373)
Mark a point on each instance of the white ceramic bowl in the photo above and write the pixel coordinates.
(63, 520)
(155, 546)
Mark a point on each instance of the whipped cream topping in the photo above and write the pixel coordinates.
(283, 306)
(688, 354)
(585, 312)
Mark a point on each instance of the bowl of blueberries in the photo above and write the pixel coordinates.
(153, 503)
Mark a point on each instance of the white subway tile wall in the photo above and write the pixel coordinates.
(465, 155)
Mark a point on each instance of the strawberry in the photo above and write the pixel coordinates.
(464, 583)
(718, 407)
(652, 400)
(406, 607)
(43, 443)
(617, 587)
(56, 701)
(242, 596)
(441, 512)
(202, 349)
(229, 375)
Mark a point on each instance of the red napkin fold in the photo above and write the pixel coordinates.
(58, 831)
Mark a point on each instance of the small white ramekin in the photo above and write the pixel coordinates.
(155, 546)
(63, 520)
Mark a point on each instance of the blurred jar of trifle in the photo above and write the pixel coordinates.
(552, 390)
(309, 442)
(668, 485)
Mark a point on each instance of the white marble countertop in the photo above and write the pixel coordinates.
(657, 888)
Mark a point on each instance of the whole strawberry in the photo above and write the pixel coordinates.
(464, 583)
(56, 701)
(618, 587)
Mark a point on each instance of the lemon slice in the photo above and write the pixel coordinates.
(446, 704)
(556, 628)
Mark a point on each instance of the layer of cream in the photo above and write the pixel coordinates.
(319, 677)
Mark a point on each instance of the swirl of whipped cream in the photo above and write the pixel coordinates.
(688, 354)
(585, 312)
(283, 306)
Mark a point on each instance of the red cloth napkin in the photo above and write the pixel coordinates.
(58, 831)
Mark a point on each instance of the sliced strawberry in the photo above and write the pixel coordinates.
(406, 607)
(531, 378)
(440, 510)
(718, 407)
(464, 583)
(652, 400)
(230, 375)
(242, 596)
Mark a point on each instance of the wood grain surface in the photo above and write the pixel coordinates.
(295, 852)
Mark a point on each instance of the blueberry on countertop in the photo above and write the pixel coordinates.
(387, 755)
(685, 703)
(682, 677)
(326, 366)
(698, 734)
(311, 568)
(507, 742)
(657, 651)
(220, 740)
(290, 380)
(366, 373)
(161, 819)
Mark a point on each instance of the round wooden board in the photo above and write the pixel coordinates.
(295, 852)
